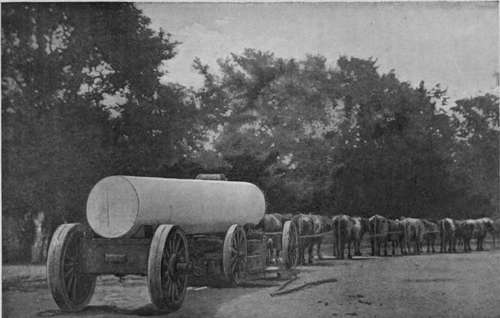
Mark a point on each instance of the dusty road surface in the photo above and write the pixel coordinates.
(438, 285)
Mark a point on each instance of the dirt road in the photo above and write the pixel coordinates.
(439, 285)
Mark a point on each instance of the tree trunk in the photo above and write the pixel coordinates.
(40, 241)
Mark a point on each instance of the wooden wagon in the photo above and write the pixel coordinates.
(173, 231)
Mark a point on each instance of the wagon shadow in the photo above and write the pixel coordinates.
(147, 310)
(196, 304)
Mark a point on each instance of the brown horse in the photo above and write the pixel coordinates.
(447, 229)
(321, 224)
(271, 223)
(379, 227)
(431, 232)
(414, 232)
(305, 226)
(360, 226)
(342, 227)
(482, 227)
(464, 232)
(396, 236)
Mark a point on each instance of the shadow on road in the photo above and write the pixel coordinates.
(148, 310)
(204, 303)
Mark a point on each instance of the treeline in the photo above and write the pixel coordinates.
(349, 139)
(82, 99)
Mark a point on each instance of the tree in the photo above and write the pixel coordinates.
(476, 155)
(152, 136)
(348, 139)
(266, 107)
(73, 77)
(395, 144)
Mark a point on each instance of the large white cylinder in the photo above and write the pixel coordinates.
(118, 205)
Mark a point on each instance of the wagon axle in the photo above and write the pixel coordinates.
(183, 268)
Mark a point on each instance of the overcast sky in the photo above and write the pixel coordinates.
(455, 44)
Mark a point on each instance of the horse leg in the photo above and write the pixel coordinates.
(357, 250)
(442, 243)
(318, 249)
(349, 255)
(372, 243)
(341, 250)
(385, 247)
(301, 252)
(335, 248)
(310, 250)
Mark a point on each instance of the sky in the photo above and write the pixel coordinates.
(454, 44)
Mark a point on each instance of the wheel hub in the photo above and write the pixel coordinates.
(171, 265)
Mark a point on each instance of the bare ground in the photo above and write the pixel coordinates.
(429, 285)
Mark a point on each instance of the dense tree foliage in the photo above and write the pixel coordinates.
(348, 139)
(475, 158)
(81, 100)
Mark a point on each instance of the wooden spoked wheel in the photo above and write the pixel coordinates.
(71, 288)
(290, 245)
(168, 266)
(234, 255)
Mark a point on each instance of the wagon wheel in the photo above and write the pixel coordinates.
(234, 255)
(168, 265)
(71, 288)
(290, 245)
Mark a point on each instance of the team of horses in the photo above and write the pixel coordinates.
(409, 235)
